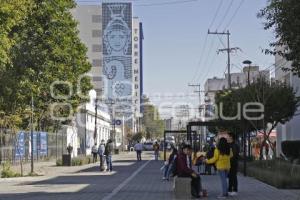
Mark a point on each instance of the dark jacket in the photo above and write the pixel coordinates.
(108, 149)
(235, 158)
(181, 166)
(171, 157)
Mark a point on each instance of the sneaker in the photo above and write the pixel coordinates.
(221, 197)
(233, 194)
(164, 178)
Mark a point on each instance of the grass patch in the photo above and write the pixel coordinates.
(7, 172)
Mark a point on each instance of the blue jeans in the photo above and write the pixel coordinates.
(109, 162)
(156, 155)
(223, 175)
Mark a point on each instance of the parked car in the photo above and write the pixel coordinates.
(148, 146)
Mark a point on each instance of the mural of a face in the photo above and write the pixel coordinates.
(117, 33)
(117, 39)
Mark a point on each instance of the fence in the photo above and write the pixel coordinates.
(14, 148)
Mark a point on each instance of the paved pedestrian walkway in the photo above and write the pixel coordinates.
(129, 180)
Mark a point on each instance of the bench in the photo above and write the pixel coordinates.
(182, 187)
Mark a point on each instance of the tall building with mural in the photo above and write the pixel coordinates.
(114, 39)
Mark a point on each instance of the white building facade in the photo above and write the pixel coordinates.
(289, 130)
(238, 80)
(86, 120)
(89, 18)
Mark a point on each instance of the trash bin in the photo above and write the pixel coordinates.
(66, 159)
(116, 151)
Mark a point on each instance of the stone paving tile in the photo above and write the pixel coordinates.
(89, 184)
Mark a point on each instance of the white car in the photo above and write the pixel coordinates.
(148, 146)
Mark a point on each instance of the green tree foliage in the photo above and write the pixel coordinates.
(279, 101)
(283, 17)
(46, 49)
(153, 125)
(12, 12)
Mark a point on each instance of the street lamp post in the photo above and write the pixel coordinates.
(248, 62)
(96, 116)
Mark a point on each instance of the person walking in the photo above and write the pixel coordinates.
(95, 152)
(101, 150)
(138, 147)
(156, 150)
(221, 157)
(108, 154)
(184, 169)
(233, 181)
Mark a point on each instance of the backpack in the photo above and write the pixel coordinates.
(94, 149)
(101, 149)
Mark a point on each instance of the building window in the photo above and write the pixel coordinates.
(136, 86)
(136, 46)
(97, 63)
(97, 48)
(96, 19)
(97, 33)
(136, 38)
(97, 78)
(136, 30)
(136, 53)
(136, 61)
(136, 78)
(136, 71)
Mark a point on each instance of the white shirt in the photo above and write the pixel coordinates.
(188, 161)
(138, 147)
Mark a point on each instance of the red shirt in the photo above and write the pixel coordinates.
(181, 166)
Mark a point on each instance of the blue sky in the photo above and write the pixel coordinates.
(175, 39)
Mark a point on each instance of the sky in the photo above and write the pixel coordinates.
(178, 50)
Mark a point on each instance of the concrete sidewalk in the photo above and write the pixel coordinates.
(129, 180)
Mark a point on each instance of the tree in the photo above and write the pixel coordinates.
(12, 13)
(278, 100)
(153, 125)
(46, 49)
(283, 17)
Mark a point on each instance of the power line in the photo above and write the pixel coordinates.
(234, 14)
(216, 13)
(205, 42)
(200, 76)
(226, 13)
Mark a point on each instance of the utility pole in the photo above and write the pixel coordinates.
(199, 94)
(228, 50)
(197, 91)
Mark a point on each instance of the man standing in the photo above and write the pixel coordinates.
(156, 150)
(138, 147)
(233, 182)
(101, 150)
(95, 152)
(184, 169)
(108, 153)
